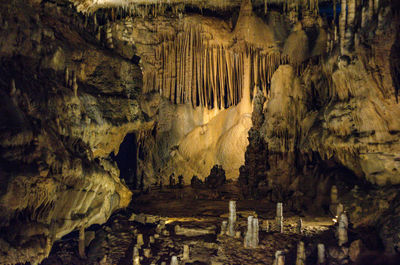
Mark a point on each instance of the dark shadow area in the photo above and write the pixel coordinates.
(127, 160)
(395, 64)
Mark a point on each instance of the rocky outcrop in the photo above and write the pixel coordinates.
(66, 104)
(334, 121)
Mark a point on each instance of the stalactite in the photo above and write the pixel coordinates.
(191, 70)
(350, 28)
(265, 6)
(342, 26)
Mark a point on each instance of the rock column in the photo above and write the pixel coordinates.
(232, 218)
(174, 260)
(301, 254)
(251, 239)
(342, 229)
(300, 226)
(82, 242)
(279, 258)
(249, 232)
(185, 252)
(321, 253)
(224, 227)
(279, 216)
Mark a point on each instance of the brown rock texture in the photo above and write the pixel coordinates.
(66, 104)
(191, 87)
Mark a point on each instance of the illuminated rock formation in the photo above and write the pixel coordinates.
(288, 99)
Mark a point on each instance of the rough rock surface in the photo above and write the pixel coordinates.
(72, 87)
(66, 104)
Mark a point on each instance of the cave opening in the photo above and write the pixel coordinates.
(127, 160)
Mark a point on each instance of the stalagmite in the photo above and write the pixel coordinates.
(135, 251)
(136, 260)
(339, 210)
(249, 232)
(279, 258)
(279, 210)
(186, 255)
(342, 229)
(151, 240)
(232, 218)
(300, 226)
(139, 240)
(135, 256)
(301, 254)
(321, 253)
(251, 238)
(224, 227)
(256, 229)
(147, 252)
(174, 260)
(238, 234)
(81, 244)
(279, 216)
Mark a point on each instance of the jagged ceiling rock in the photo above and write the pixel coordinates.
(92, 5)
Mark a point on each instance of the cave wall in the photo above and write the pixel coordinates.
(66, 104)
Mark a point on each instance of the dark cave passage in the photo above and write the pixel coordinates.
(127, 160)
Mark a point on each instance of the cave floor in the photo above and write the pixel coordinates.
(172, 218)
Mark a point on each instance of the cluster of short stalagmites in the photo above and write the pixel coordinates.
(251, 238)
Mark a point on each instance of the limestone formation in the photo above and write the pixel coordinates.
(339, 210)
(251, 238)
(151, 240)
(136, 260)
(301, 254)
(321, 253)
(285, 95)
(279, 216)
(300, 226)
(174, 260)
(356, 248)
(334, 199)
(139, 240)
(232, 218)
(147, 252)
(279, 258)
(82, 242)
(186, 255)
(342, 229)
(224, 227)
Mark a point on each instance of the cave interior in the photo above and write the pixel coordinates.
(200, 132)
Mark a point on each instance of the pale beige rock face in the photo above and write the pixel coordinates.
(205, 138)
(358, 127)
